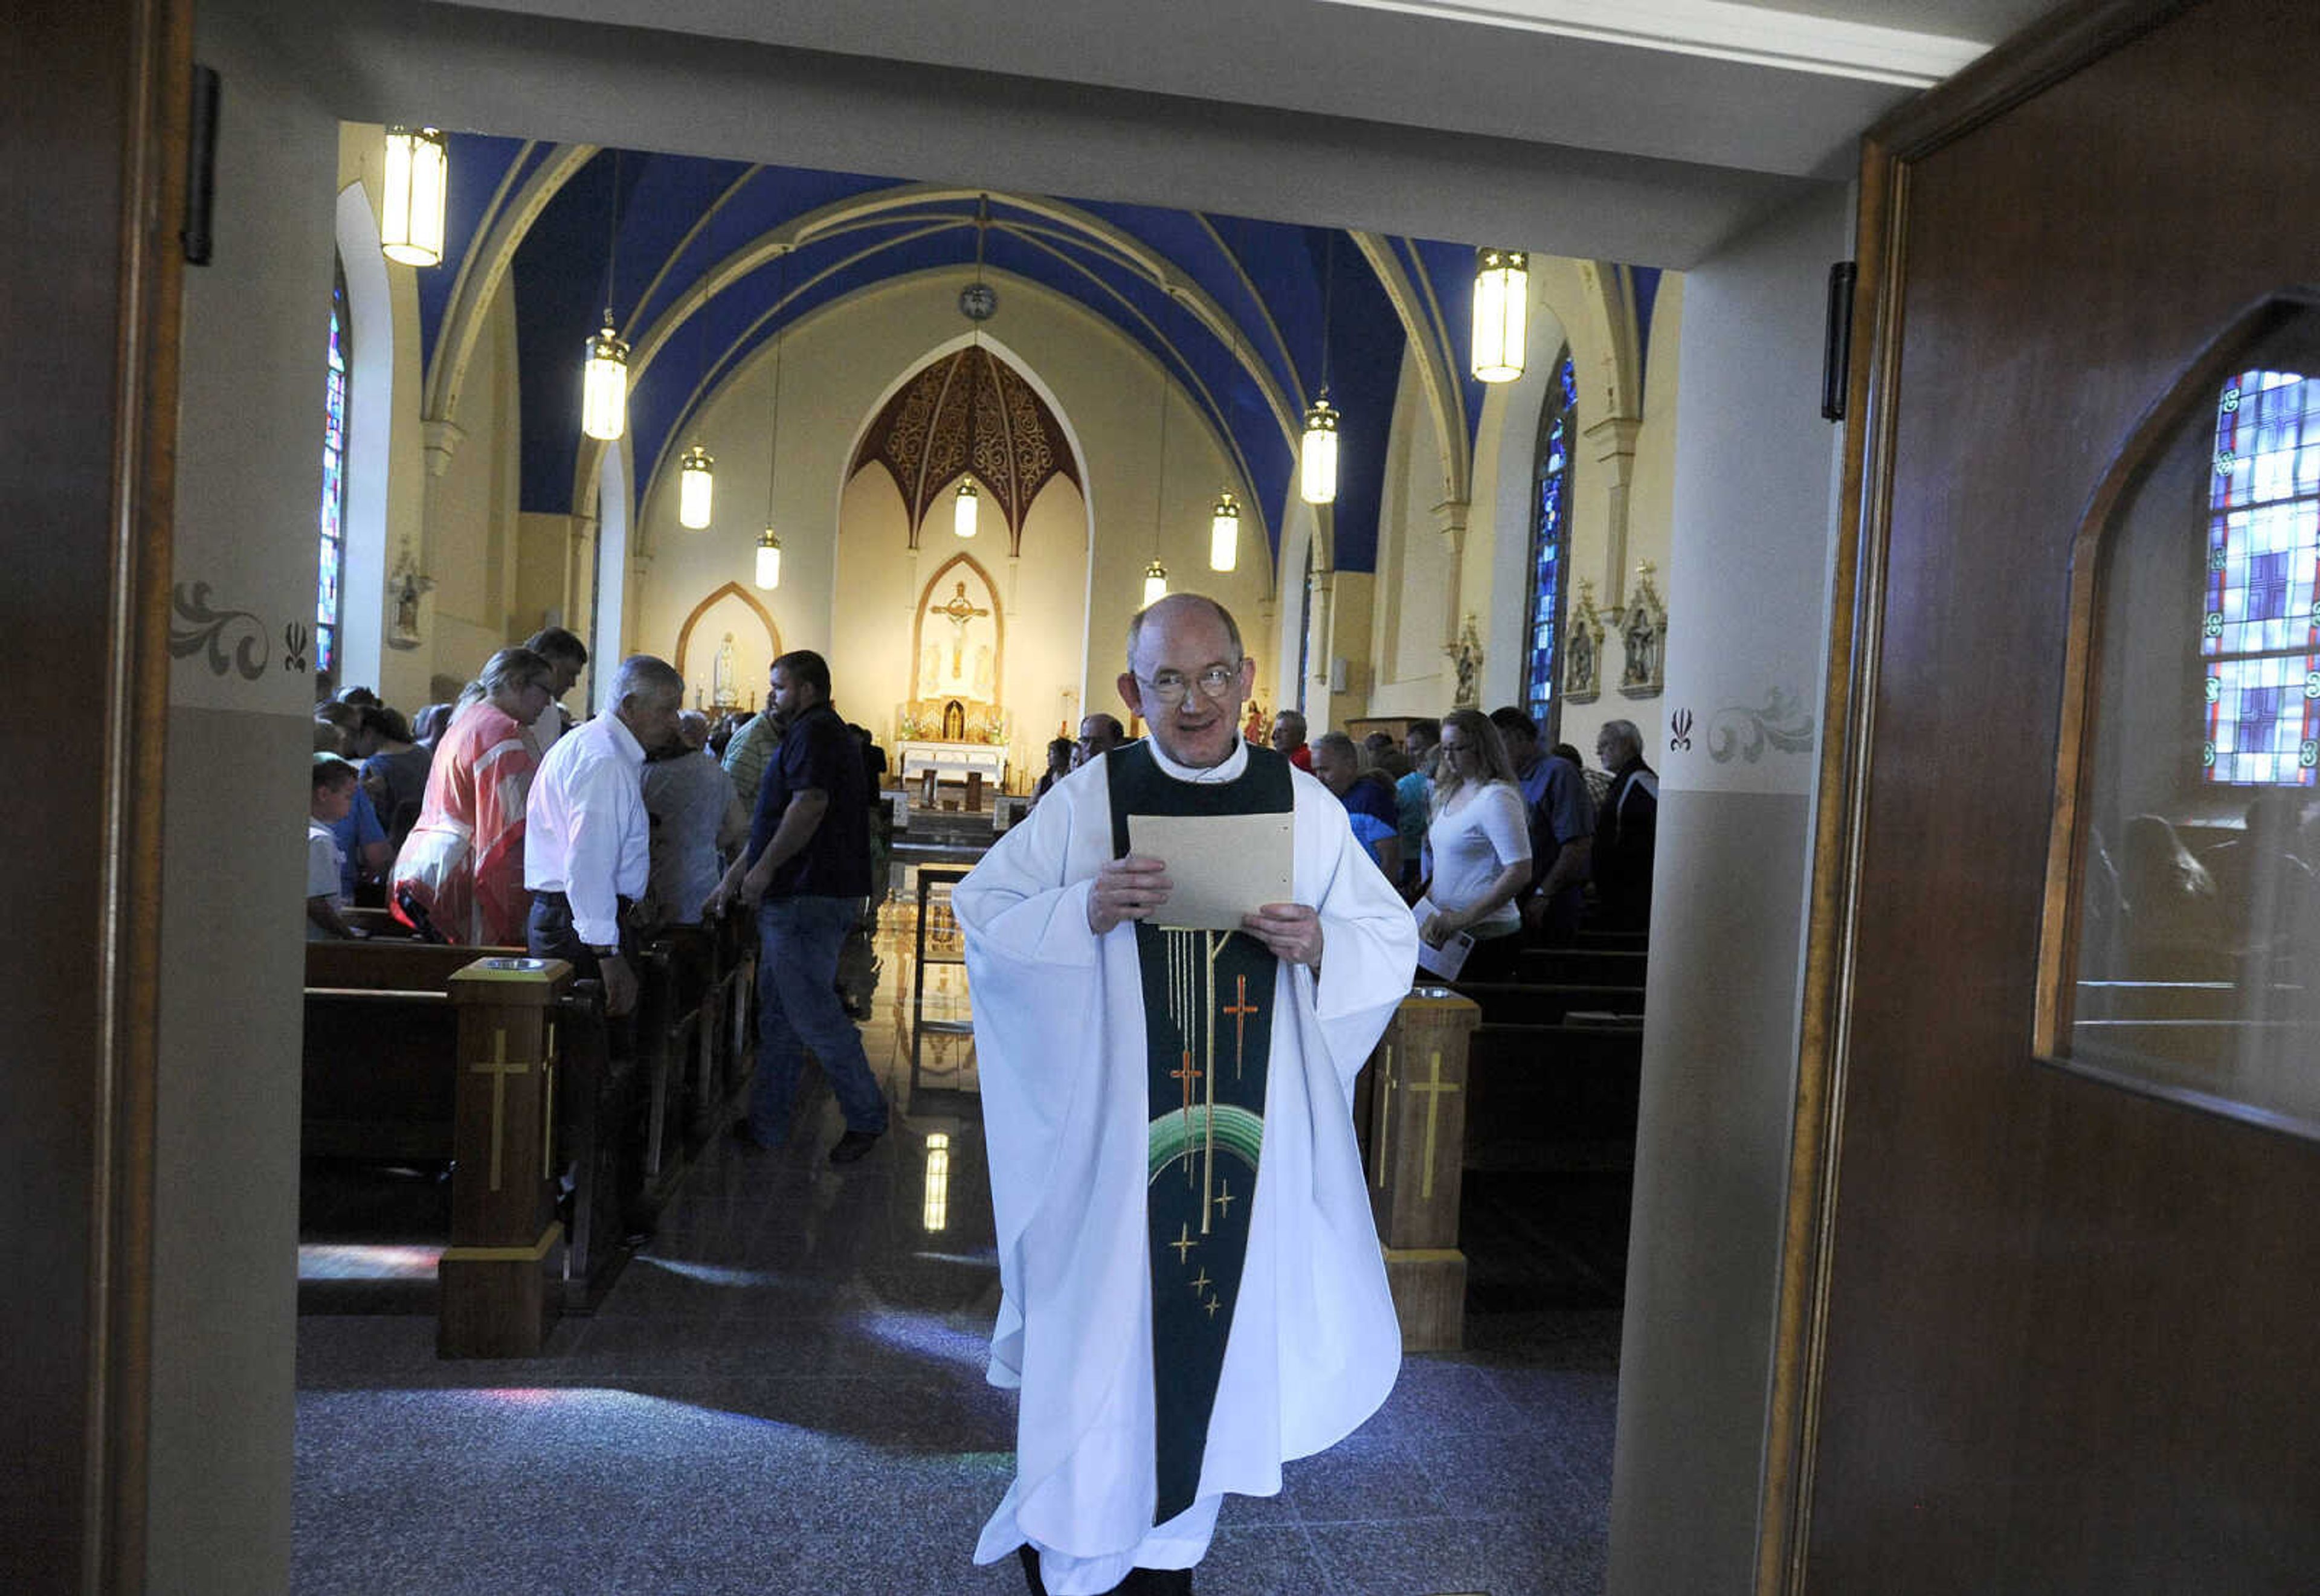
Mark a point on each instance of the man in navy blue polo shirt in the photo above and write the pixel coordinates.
(806, 870)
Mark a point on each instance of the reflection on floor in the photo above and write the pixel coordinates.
(783, 1393)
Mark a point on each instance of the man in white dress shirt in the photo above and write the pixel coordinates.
(587, 842)
(1191, 1290)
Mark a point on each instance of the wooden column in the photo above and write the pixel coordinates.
(1416, 1102)
(493, 1277)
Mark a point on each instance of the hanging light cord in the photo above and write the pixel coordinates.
(1328, 299)
(773, 443)
(1159, 477)
(613, 241)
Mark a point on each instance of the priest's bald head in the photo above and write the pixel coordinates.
(1187, 676)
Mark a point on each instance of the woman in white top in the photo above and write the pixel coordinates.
(1481, 842)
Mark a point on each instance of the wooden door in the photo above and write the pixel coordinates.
(2042, 1333)
(93, 99)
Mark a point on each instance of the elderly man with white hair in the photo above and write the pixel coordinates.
(587, 842)
(1627, 828)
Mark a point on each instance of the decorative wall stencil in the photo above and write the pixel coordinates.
(1583, 659)
(1679, 731)
(1643, 637)
(1738, 730)
(1466, 660)
(197, 626)
(294, 637)
(968, 412)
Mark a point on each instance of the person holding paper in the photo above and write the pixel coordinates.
(1193, 1290)
(1480, 839)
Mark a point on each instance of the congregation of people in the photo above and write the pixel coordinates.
(1512, 844)
(499, 821)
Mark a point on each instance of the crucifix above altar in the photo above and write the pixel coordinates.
(952, 721)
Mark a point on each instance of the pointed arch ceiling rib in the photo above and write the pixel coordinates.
(711, 258)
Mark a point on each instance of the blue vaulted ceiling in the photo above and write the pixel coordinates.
(679, 216)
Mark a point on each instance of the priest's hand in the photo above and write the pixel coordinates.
(1132, 888)
(1292, 930)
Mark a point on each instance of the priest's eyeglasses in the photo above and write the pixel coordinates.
(1171, 687)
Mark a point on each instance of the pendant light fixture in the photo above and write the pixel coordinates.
(977, 304)
(696, 475)
(1224, 533)
(1316, 475)
(604, 389)
(1224, 521)
(1501, 309)
(411, 208)
(696, 480)
(1155, 575)
(769, 542)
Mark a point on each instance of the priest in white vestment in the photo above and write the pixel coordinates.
(1193, 1292)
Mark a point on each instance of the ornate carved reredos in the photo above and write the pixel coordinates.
(968, 412)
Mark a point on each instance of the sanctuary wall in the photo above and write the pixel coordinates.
(851, 584)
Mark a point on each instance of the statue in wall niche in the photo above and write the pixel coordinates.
(1253, 729)
(931, 670)
(983, 682)
(725, 676)
(1582, 649)
(1466, 663)
(1643, 637)
(403, 590)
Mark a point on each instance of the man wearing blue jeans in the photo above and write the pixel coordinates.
(806, 870)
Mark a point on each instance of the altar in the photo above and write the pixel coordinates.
(953, 761)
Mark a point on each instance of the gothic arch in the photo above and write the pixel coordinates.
(926, 602)
(730, 590)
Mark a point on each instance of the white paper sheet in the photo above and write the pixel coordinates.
(1220, 866)
(1447, 960)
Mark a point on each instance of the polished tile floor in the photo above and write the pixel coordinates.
(783, 1393)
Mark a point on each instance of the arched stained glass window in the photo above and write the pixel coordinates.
(2260, 635)
(331, 570)
(1550, 546)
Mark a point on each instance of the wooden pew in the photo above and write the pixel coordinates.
(1553, 1097)
(1411, 1114)
(380, 1073)
(1510, 1004)
(1583, 966)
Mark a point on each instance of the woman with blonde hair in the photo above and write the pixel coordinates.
(460, 872)
(1480, 838)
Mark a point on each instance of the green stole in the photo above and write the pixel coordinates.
(1208, 1027)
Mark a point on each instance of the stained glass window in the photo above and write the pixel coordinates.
(332, 554)
(1550, 546)
(2260, 631)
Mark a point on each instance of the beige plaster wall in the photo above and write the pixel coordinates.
(849, 582)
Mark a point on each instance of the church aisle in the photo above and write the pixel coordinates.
(783, 1394)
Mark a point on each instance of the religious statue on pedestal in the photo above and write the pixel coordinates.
(1466, 662)
(725, 676)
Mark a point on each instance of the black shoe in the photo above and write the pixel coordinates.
(853, 1145)
(1029, 1559)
